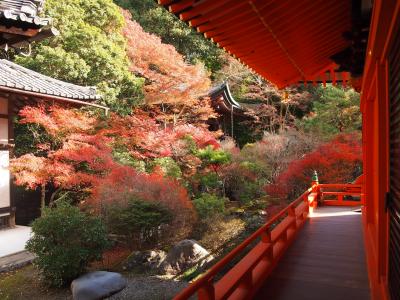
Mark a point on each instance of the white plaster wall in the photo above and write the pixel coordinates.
(4, 179)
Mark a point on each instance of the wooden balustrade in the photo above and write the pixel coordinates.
(340, 192)
(244, 278)
(267, 244)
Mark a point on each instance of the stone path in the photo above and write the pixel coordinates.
(13, 240)
(15, 261)
(12, 248)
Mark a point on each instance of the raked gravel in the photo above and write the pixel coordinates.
(149, 288)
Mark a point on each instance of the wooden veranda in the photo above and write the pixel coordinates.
(326, 260)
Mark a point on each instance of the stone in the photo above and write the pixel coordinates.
(97, 285)
(184, 255)
(149, 260)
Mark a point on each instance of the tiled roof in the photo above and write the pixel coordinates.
(25, 11)
(19, 78)
(223, 90)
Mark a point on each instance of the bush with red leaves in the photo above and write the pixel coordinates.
(338, 161)
(125, 184)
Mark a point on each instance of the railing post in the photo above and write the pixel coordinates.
(340, 198)
(207, 291)
(266, 238)
(314, 181)
(247, 280)
(315, 187)
(292, 213)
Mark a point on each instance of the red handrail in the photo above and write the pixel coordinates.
(258, 263)
(340, 191)
(244, 278)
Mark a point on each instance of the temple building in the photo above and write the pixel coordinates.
(20, 24)
(231, 112)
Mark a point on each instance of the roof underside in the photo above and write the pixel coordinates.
(21, 79)
(283, 41)
(21, 23)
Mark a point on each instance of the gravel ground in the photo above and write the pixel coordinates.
(149, 288)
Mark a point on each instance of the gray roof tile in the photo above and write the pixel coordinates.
(25, 11)
(20, 78)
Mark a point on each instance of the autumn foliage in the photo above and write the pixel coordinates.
(169, 79)
(76, 157)
(81, 154)
(124, 184)
(338, 161)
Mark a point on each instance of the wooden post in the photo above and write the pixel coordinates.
(292, 213)
(247, 281)
(266, 238)
(207, 291)
(340, 198)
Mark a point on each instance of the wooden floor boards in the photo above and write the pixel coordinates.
(325, 262)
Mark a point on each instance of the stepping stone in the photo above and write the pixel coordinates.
(97, 285)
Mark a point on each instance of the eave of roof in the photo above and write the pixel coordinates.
(20, 23)
(24, 12)
(283, 41)
(223, 90)
(20, 78)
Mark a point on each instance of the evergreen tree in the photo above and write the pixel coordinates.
(335, 110)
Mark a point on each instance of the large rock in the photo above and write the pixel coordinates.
(149, 260)
(184, 255)
(97, 285)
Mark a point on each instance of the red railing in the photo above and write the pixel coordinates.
(271, 241)
(343, 194)
(244, 278)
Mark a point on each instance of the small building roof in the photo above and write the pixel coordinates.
(21, 23)
(19, 78)
(224, 91)
(23, 11)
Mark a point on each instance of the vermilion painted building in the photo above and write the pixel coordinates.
(295, 41)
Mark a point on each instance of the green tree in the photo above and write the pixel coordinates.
(90, 50)
(335, 110)
(157, 20)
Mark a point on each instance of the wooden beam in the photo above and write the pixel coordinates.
(180, 6)
(19, 31)
(207, 6)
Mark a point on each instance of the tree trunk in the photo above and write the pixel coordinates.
(42, 197)
(51, 202)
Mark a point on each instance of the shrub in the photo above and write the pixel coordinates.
(168, 166)
(124, 184)
(65, 240)
(209, 180)
(138, 221)
(211, 156)
(208, 205)
(242, 183)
